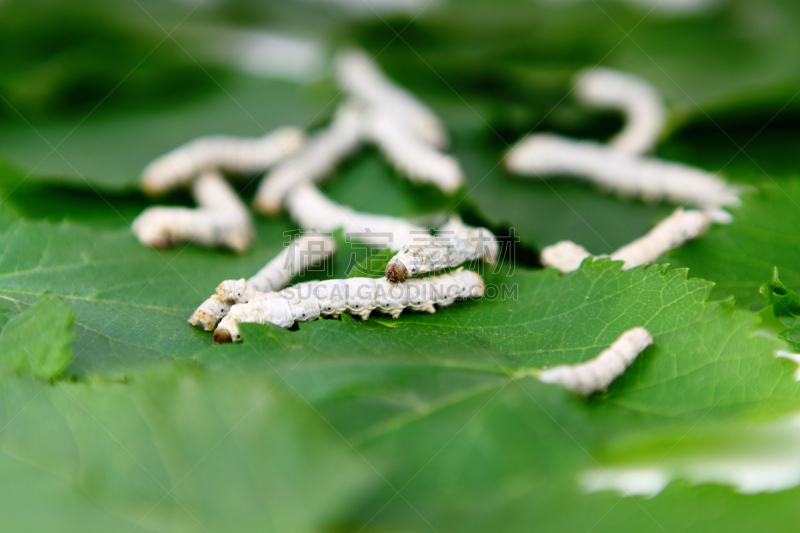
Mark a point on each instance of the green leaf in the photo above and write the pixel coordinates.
(785, 303)
(130, 303)
(534, 325)
(738, 258)
(36, 342)
(513, 459)
(174, 449)
(442, 403)
(786, 308)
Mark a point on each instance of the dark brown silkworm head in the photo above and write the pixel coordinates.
(222, 336)
(396, 272)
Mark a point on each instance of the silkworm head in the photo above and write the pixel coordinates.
(239, 240)
(222, 336)
(639, 336)
(231, 289)
(396, 272)
(150, 229)
(697, 220)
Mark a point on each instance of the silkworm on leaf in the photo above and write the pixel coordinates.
(220, 220)
(362, 79)
(454, 244)
(356, 296)
(638, 101)
(410, 156)
(210, 312)
(318, 157)
(670, 233)
(627, 174)
(353, 124)
(307, 250)
(597, 374)
(312, 210)
(235, 155)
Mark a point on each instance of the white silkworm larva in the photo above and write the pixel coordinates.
(220, 220)
(307, 250)
(597, 374)
(315, 161)
(639, 102)
(670, 233)
(628, 174)
(421, 162)
(182, 165)
(312, 210)
(356, 296)
(454, 244)
(566, 256)
(361, 78)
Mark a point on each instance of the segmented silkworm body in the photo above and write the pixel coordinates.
(628, 174)
(670, 233)
(638, 101)
(407, 132)
(454, 244)
(356, 296)
(410, 155)
(312, 210)
(307, 250)
(227, 154)
(359, 76)
(220, 220)
(597, 374)
(322, 152)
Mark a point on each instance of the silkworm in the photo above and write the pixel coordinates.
(628, 174)
(359, 77)
(307, 250)
(406, 131)
(236, 155)
(566, 256)
(454, 244)
(220, 220)
(635, 98)
(670, 233)
(312, 210)
(322, 152)
(597, 374)
(410, 156)
(356, 296)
